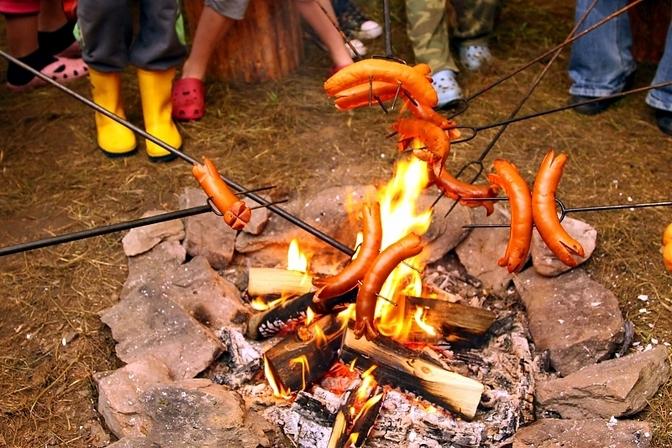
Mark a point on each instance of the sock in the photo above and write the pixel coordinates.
(53, 42)
(38, 59)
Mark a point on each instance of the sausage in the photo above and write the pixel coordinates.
(544, 210)
(235, 212)
(362, 95)
(520, 200)
(415, 80)
(423, 112)
(347, 279)
(367, 297)
(435, 140)
(463, 191)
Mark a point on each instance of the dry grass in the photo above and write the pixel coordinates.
(287, 134)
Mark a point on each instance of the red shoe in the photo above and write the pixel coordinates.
(188, 99)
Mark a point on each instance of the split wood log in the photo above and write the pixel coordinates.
(267, 281)
(266, 45)
(454, 320)
(365, 420)
(402, 367)
(297, 363)
(347, 422)
(270, 322)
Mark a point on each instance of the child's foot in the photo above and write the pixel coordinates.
(354, 23)
(188, 98)
(57, 68)
(446, 87)
(475, 56)
(60, 42)
(355, 47)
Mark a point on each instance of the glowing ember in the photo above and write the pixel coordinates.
(305, 368)
(277, 386)
(399, 218)
(419, 321)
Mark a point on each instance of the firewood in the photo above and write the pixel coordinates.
(345, 423)
(267, 281)
(402, 367)
(298, 363)
(364, 422)
(267, 323)
(452, 319)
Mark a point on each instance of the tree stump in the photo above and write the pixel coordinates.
(266, 45)
(649, 22)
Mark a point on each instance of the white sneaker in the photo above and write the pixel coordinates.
(446, 87)
(358, 46)
(369, 30)
(474, 57)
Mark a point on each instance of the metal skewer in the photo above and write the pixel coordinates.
(235, 186)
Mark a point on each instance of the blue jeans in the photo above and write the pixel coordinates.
(601, 61)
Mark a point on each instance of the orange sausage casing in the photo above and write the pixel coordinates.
(544, 210)
(463, 191)
(347, 279)
(423, 112)
(520, 200)
(435, 140)
(364, 94)
(415, 80)
(382, 266)
(236, 214)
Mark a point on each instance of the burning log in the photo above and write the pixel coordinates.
(266, 281)
(297, 361)
(451, 319)
(402, 367)
(270, 322)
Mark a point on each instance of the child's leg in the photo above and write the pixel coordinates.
(324, 28)
(212, 26)
(55, 34)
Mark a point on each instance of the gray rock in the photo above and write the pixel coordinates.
(480, 251)
(618, 387)
(573, 317)
(445, 232)
(142, 239)
(259, 218)
(119, 392)
(134, 442)
(153, 264)
(543, 260)
(207, 234)
(199, 413)
(208, 297)
(554, 433)
(146, 322)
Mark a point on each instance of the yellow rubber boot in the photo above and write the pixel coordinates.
(155, 89)
(114, 139)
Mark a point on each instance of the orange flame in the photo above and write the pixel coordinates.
(296, 260)
(260, 304)
(320, 338)
(369, 404)
(419, 321)
(305, 368)
(279, 389)
(352, 365)
(310, 316)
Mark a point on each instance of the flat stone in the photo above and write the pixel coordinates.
(119, 392)
(207, 234)
(208, 297)
(554, 433)
(573, 317)
(543, 260)
(259, 219)
(146, 322)
(445, 232)
(199, 413)
(480, 250)
(152, 264)
(142, 239)
(134, 442)
(618, 387)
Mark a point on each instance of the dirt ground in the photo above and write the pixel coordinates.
(288, 134)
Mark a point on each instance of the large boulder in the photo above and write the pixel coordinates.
(596, 433)
(618, 387)
(546, 263)
(573, 317)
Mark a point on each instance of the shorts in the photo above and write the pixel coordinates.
(19, 6)
(233, 9)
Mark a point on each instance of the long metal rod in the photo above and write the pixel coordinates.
(236, 186)
(387, 23)
(552, 50)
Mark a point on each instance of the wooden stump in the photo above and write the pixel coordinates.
(266, 45)
(649, 22)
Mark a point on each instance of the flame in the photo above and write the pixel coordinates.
(358, 243)
(352, 440)
(368, 384)
(275, 383)
(419, 320)
(352, 365)
(399, 218)
(305, 368)
(369, 404)
(296, 260)
(260, 304)
(310, 316)
(320, 337)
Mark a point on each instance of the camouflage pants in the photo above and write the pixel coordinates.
(427, 26)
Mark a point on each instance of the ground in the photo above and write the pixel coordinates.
(288, 134)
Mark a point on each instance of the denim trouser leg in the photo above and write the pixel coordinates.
(601, 61)
(662, 98)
